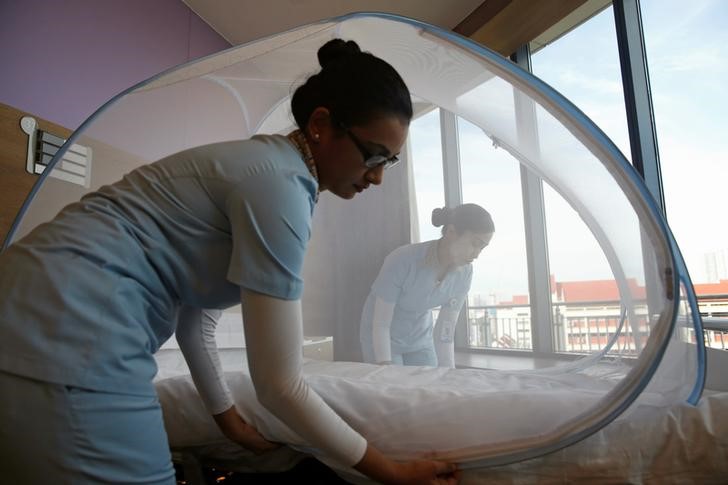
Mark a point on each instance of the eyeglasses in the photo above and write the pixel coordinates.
(371, 160)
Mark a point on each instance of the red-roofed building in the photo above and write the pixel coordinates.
(713, 302)
(705, 289)
(586, 315)
(594, 290)
(517, 300)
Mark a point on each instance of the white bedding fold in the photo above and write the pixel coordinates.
(408, 411)
(404, 411)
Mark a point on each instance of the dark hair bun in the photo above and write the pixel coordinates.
(336, 49)
(440, 216)
(354, 86)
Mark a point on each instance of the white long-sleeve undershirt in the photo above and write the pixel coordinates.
(196, 337)
(274, 340)
(274, 343)
(382, 330)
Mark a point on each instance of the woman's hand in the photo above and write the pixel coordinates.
(428, 472)
(418, 472)
(236, 429)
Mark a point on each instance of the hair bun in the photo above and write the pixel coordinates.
(440, 216)
(336, 49)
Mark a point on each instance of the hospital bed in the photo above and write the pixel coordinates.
(409, 412)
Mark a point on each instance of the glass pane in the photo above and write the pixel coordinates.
(587, 310)
(499, 312)
(583, 65)
(426, 147)
(687, 45)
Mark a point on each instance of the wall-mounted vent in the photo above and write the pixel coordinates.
(74, 167)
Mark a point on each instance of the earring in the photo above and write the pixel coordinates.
(316, 136)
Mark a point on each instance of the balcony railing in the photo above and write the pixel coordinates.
(500, 326)
(584, 327)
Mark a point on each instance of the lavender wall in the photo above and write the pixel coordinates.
(62, 60)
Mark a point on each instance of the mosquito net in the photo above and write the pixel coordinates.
(651, 354)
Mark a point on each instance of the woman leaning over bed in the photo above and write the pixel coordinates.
(396, 323)
(89, 297)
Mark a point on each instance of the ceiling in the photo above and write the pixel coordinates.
(240, 21)
(502, 25)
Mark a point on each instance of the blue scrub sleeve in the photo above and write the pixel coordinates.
(464, 287)
(456, 303)
(270, 220)
(391, 277)
(450, 310)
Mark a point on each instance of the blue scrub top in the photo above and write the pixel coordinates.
(89, 297)
(408, 279)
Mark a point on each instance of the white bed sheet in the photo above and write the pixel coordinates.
(410, 411)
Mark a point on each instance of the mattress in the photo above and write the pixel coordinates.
(410, 412)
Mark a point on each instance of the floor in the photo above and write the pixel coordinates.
(309, 471)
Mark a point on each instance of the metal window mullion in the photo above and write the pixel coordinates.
(406, 156)
(637, 95)
(534, 219)
(451, 158)
(452, 180)
(641, 126)
(537, 255)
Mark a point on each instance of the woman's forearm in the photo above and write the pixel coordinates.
(274, 338)
(377, 466)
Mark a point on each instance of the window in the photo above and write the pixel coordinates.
(583, 65)
(426, 158)
(686, 46)
(498, 307)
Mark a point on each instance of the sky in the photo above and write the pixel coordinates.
(687, 47)
(686, 44)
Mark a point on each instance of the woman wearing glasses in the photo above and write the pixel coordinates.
(396, 323)
(91, 295)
